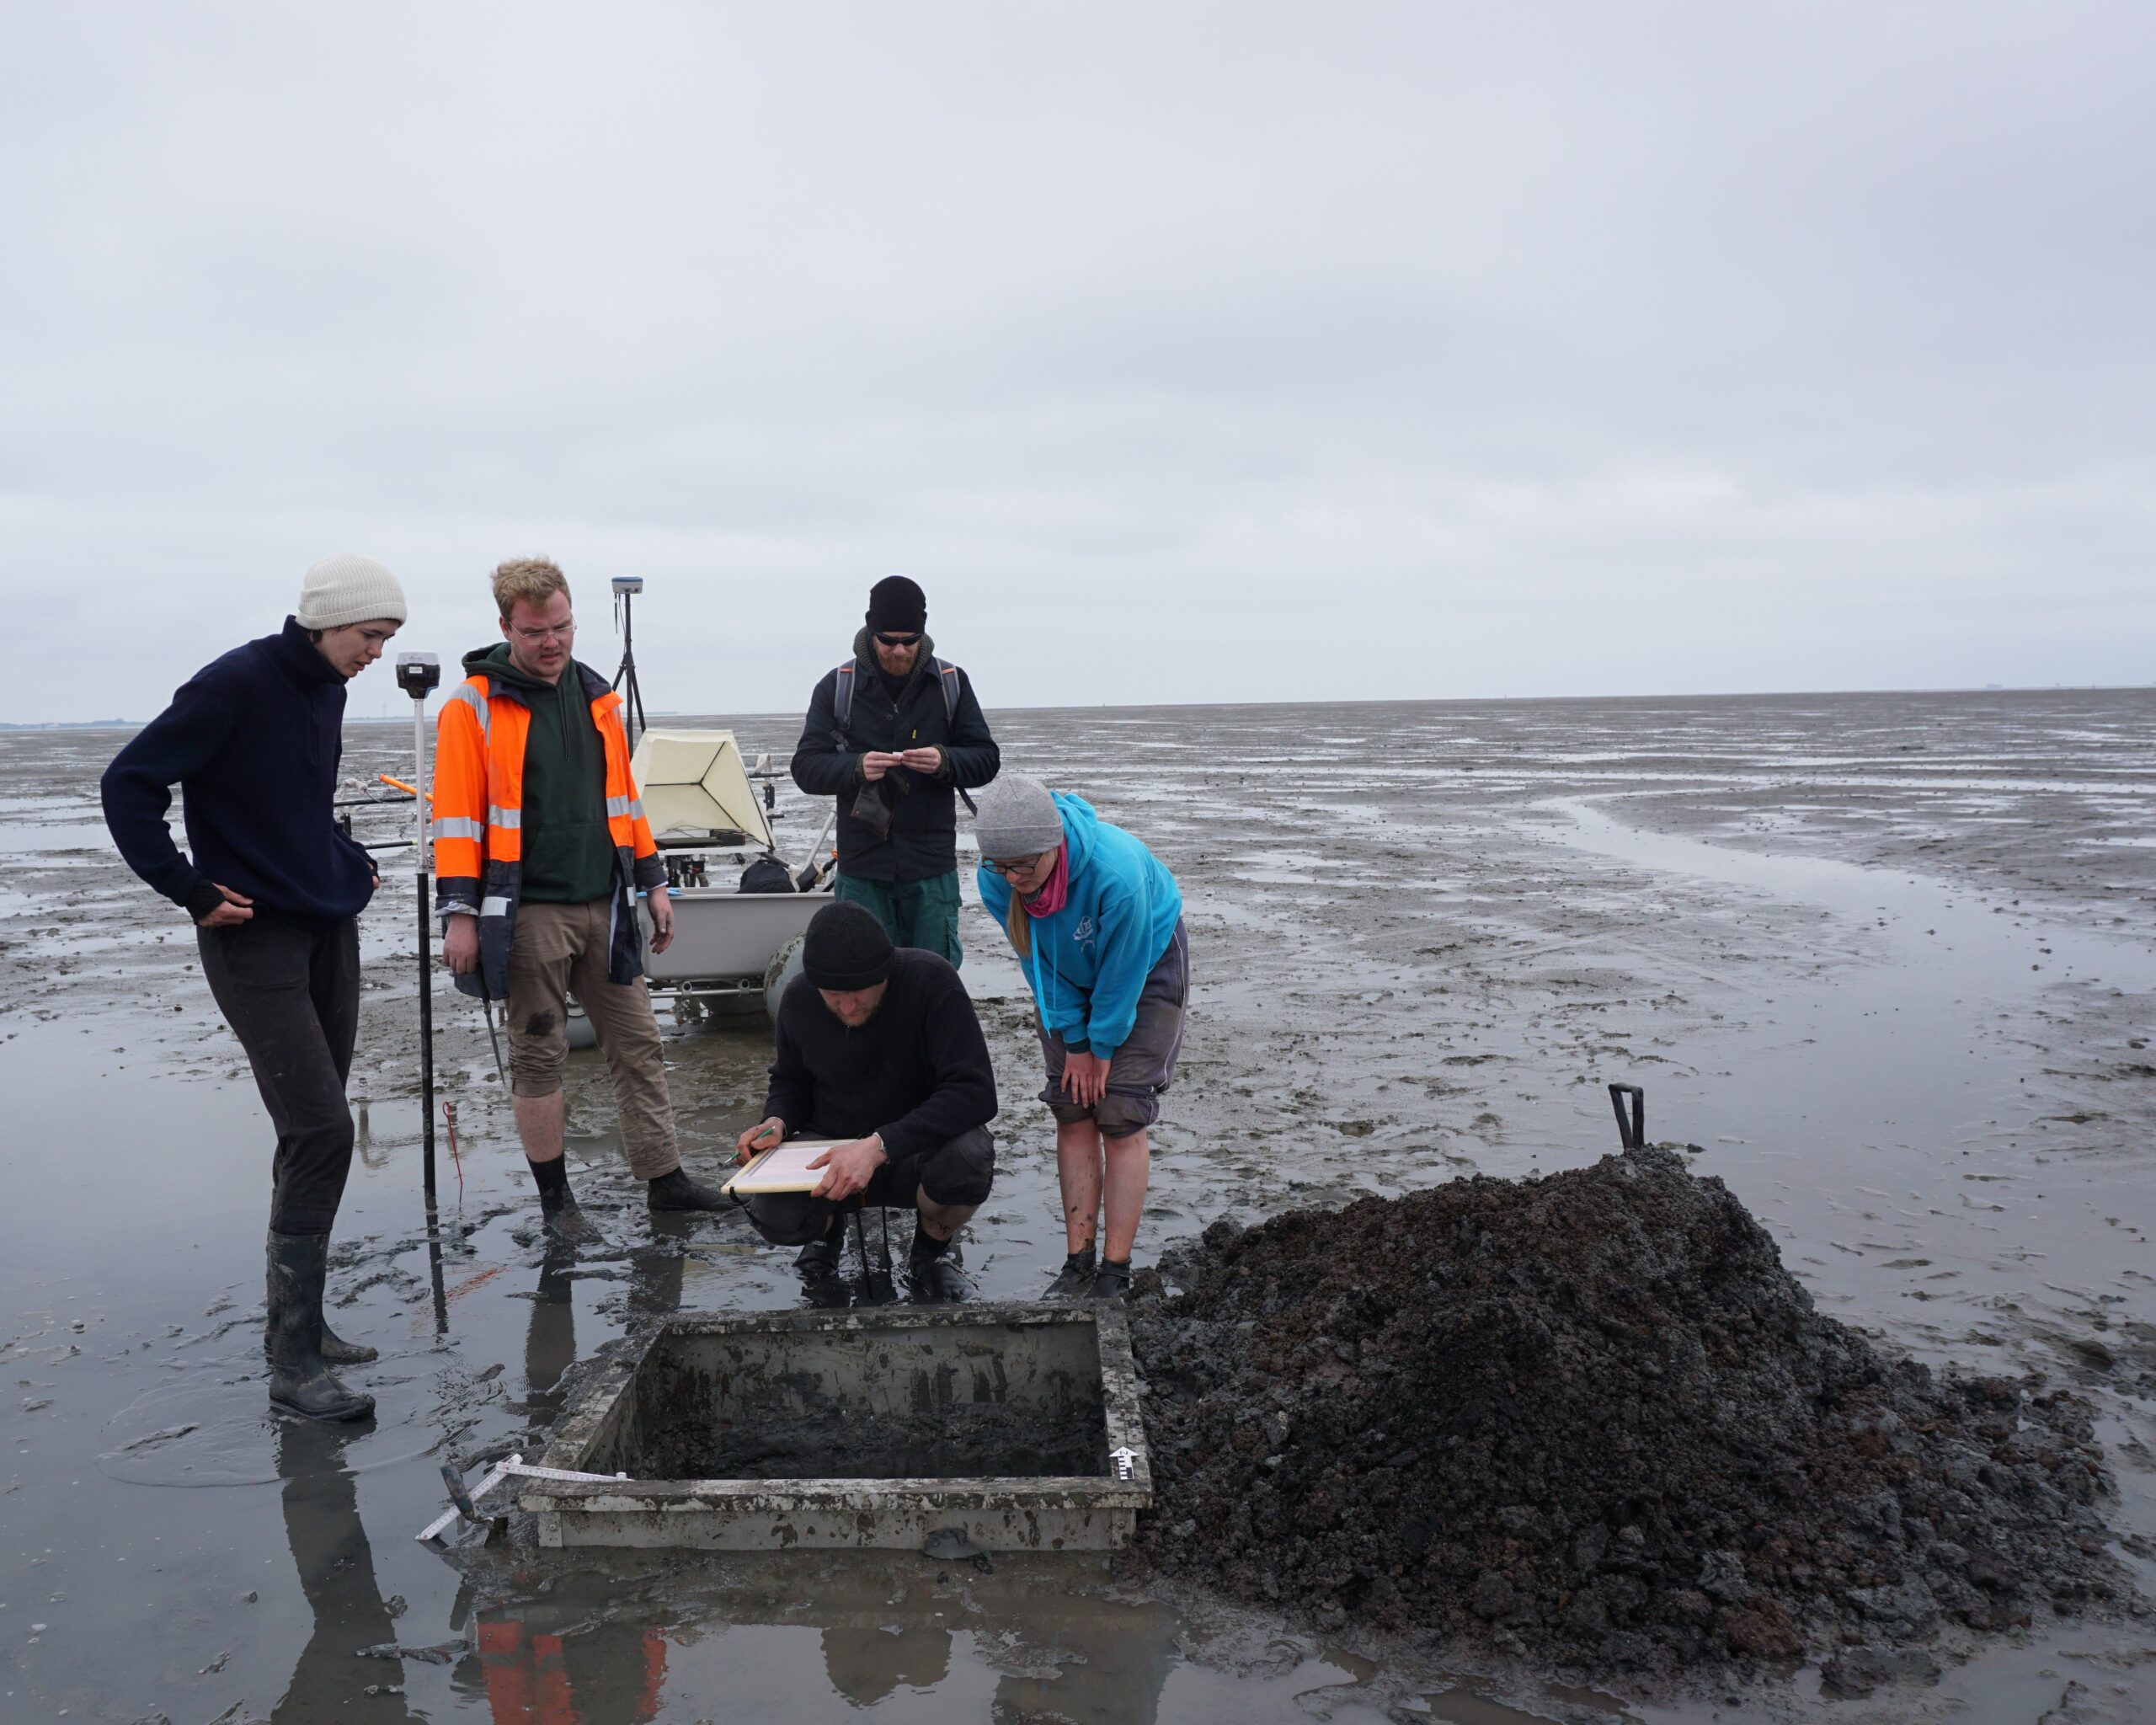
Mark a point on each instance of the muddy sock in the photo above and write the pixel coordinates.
(926, 1244)
(1117, 1266)
(553, 1180)
(1080, 1262)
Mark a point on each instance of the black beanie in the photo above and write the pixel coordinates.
(898, 604)
(846, 948)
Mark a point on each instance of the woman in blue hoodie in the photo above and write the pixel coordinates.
(1096, 923)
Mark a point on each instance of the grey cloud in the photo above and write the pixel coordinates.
(1388, 349)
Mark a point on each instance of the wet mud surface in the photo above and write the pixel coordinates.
(1887, 959)
(1591, 1419)
(968, 1440)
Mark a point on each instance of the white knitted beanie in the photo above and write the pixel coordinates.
(348, 588)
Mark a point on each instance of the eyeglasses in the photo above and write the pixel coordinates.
(1012, 870)
(898, 640)
(532, 637)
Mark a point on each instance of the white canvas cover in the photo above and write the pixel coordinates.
(693, 784)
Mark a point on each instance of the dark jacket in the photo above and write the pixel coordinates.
(923, 841)
(254, 740)
(918, 1071)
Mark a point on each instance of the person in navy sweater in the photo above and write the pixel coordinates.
(274, 890)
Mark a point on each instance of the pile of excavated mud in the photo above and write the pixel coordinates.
(1591, 1419)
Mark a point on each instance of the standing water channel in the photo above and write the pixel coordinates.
(1886, 961)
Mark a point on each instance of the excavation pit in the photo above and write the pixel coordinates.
(1015, 1425)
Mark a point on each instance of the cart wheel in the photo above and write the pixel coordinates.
(784, 967)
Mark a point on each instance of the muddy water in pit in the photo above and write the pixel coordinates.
(1887, 959)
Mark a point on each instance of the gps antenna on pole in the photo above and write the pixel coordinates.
(419, 674)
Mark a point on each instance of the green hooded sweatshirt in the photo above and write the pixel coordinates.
(568, 854)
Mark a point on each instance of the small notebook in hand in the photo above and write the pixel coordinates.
(784, 1168)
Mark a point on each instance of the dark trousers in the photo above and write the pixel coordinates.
(956, 1173)
(291, 991)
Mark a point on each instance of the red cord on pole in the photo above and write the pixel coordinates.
(449, 1119)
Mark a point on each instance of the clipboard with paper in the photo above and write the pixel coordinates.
(784, 1168)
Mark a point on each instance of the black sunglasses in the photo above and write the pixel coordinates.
(898, 640)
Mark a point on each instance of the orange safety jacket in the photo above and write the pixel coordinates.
(479, 798)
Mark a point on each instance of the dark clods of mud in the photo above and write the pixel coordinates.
(1591, 1419)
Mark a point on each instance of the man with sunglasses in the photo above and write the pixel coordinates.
(897, 738)
(541, 846)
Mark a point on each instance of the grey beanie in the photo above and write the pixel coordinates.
(1018, 818)
(348, 589)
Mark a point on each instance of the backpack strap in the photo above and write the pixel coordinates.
(842, 705)
(946, 679)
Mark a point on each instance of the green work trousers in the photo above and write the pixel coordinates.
(913, 913)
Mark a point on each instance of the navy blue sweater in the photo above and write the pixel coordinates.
(254, 739)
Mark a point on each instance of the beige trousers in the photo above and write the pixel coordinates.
(558, 948)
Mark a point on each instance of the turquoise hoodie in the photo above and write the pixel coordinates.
(1091, 958)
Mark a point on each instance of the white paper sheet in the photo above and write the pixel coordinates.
(783, 1168)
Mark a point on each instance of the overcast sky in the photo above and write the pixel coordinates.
(1182, 352)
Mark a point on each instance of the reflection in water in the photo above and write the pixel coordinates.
(866, 1664)
(535, 1667)
(336, 1566)
(550, 1340)
(1104, 1667)
(616, 1643)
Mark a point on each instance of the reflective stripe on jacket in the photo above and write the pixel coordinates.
(478, 830)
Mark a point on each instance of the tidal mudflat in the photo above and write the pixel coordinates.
(1887, 959)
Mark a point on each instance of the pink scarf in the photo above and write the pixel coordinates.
(1055, 890)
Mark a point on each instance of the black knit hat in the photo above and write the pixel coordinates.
(898, 604)
(846, 948)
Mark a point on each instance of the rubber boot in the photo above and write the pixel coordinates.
(1112, 1281)
(557, 1204)
(300, 1379)
(677, 1191)
(1076, 1280)
(338, 1352)
(819, 1260)
(934, 1270)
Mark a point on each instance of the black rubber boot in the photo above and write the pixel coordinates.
(565, 1222)
(1112, 1281)
(819, 1260)
(677, 1191)
(934, 1270)
(1076, 1280)
(338, 1352)
(300, 1379)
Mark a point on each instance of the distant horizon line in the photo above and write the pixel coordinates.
(97, 724)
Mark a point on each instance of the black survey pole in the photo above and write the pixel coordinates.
(426, 1035)
(417, 674)
(625, 589)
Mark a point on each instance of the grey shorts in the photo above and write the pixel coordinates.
(1145, 1066)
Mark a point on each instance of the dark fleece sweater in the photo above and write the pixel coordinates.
(254, 740)
(917, 1072)
(569, 852)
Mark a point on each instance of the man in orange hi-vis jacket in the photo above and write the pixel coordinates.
(541, 846)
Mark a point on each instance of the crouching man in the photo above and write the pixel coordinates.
(879, 1047)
